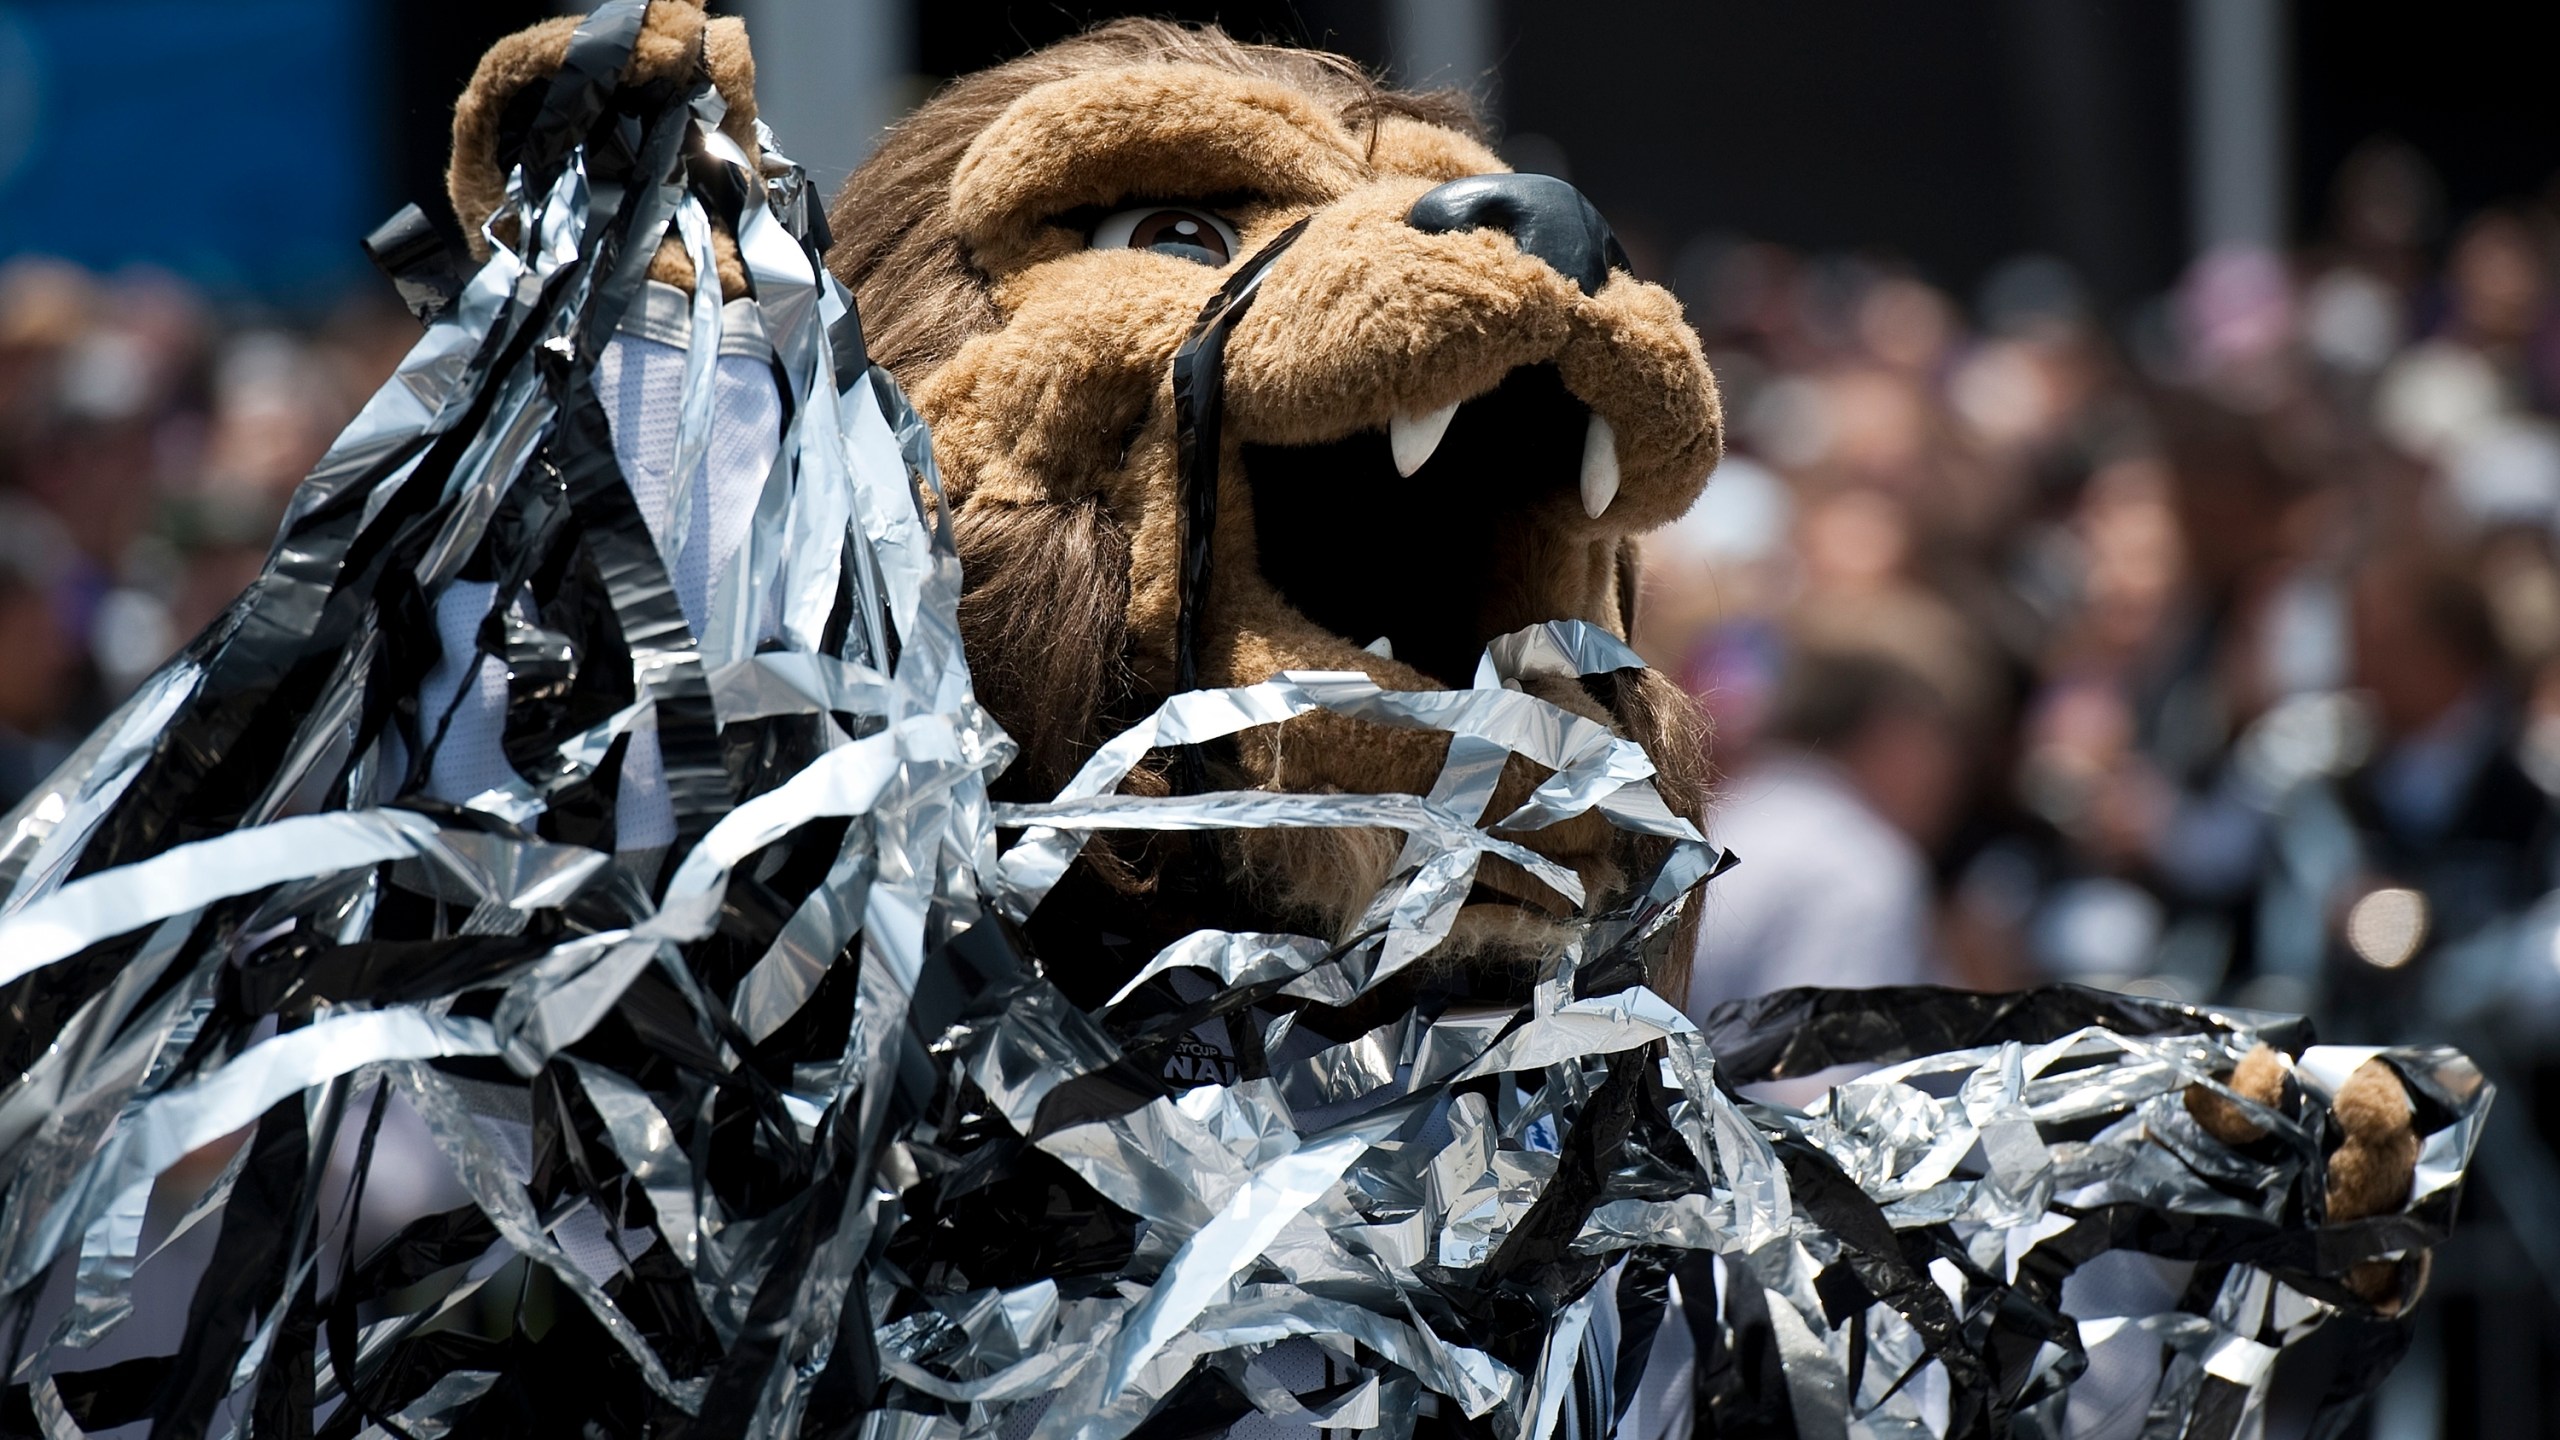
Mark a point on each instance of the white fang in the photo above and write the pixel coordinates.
(1414, 437)
(1382, 647)
(1599, 468)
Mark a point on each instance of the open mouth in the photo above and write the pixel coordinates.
(1437, 561)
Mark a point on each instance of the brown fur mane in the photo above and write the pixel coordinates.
(1043, 608)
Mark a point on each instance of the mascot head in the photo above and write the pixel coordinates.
(1447, 415)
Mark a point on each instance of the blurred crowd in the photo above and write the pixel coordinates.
(148, 442)
(2210, 653)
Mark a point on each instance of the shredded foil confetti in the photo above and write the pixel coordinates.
(712, 992)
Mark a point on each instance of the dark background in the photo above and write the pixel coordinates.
(1955, 133)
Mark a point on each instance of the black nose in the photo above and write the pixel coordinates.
(1549, 218)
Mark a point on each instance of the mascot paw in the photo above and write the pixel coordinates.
(2371, 1171)
(678, 41)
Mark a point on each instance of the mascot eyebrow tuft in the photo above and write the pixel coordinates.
(898, 236)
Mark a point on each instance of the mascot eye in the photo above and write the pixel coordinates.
(1168, 230)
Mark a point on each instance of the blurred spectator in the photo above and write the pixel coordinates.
(2438, 835)
(147, 446)
(1858, 775)
(34, 679)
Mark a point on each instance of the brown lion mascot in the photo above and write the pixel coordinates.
(1449, 415)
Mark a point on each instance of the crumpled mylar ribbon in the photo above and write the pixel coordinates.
(792, 1125)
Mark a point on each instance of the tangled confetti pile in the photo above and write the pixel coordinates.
(785, 1114)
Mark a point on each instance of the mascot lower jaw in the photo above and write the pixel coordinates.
(706, 803)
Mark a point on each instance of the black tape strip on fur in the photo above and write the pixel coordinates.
(1199, 416)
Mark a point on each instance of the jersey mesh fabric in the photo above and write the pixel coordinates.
(471, 758)
(641, 385)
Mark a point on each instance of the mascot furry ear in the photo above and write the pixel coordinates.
(491, 119)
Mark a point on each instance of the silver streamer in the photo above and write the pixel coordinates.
(831, 1155)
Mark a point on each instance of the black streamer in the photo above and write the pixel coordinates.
(1199, 413)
